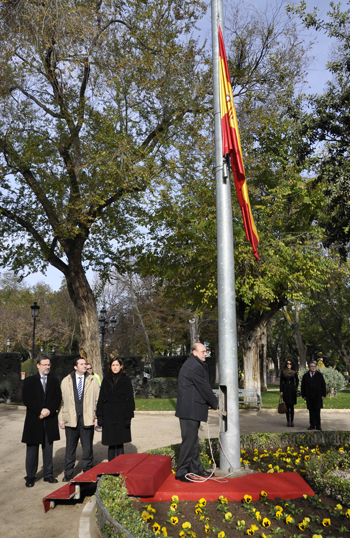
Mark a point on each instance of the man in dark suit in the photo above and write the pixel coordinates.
(313, 390)
(194, 395)
(41, 395)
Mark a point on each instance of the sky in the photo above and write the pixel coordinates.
(317, 78)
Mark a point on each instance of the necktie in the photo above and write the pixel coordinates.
(80, 387)
(43, 382)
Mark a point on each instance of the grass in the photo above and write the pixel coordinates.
(155, 404)
(270, 400)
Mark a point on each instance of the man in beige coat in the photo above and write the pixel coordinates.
(77, 415)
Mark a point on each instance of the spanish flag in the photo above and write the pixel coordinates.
(232, 146)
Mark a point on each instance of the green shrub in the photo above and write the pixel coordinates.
(113, 494)
(335, 381)
(319, 475)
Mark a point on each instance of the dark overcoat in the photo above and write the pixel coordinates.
(289, 387)
(194, 393)
(115, 409)
(313, 388)
(35, 400)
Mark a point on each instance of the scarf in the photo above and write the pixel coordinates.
(288, 373)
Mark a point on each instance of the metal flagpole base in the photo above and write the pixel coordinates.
(234, 474)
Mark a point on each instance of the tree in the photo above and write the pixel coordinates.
(93, 95)
(56, 324)
(324, 125)
(286, 207)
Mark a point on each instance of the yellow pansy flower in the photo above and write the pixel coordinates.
(186, 525)
(155, 527)
(326, 522)
(289, 519)
(228, 516)
(146, 516)
(263, 493)
(164, 531)
(266, 522)
(221, 534)
(247, 498)
(174, 520)
(174, 499)
(202, 502)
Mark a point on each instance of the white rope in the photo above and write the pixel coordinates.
(192, 477)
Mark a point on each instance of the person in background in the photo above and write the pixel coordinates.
(77, 415)
(115, 408)
(289, 382)
(313, 390)
(89, 371)
(42, 397)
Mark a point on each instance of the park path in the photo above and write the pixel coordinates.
(21, 509)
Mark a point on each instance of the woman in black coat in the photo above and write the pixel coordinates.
(115, 408)
(289, 382)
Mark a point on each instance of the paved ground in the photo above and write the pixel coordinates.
(21, 508)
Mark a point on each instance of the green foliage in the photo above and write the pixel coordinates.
(319, 474)
(335, 381)
(324, 125)
(113, 494)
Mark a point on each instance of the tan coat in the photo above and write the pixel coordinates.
(68, 413)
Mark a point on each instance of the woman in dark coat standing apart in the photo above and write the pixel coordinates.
(115, 408)
(289, 382)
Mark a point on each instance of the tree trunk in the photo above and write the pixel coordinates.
(295, 326)
(84, 303)
(194, 331)
(250, 348)
(263, 361)
(250, 330)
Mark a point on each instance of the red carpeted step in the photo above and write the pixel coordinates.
(123, 464)
(144, 474)
(280, 485)
(148, 476)
(66, 492)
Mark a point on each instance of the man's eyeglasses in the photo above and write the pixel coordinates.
(89, 368)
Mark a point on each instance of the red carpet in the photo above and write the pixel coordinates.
(150, 478)
(281, 485)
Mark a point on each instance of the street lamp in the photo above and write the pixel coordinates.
(103, 323)
(8, 343)
(35, 312)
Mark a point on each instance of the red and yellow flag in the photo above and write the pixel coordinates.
(232, 146)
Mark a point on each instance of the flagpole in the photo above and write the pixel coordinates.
(228, 358)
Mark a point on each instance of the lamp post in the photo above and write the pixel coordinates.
(8, 343)
(105, 326)
(35, 312)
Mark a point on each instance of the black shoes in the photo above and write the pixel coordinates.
(66, 479)
(205, 474)
(182, 478)
(311, 428)
(30, 482)
(51, 480)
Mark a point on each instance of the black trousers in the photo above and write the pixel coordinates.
(114, 451)
(315, 418)
(32, 459)
(290, 413)
(86, 436)
(189, 461)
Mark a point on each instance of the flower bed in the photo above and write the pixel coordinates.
(314, 517)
